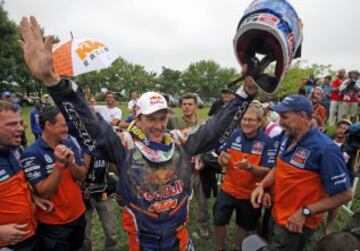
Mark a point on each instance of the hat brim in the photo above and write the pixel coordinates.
(227, 91)
(156, 109)
(279, 108)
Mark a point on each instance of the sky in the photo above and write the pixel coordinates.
(173, 34)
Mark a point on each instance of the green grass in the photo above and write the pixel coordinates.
(201, 245)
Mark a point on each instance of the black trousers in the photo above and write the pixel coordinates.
(66, 237)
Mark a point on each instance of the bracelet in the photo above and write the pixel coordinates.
(59, 166)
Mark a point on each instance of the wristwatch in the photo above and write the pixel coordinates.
(249, 167)
(306, 211)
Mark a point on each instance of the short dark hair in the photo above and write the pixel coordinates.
(8, 106)
(189, 96)
(328, 77)
(108, 93)
(49, 114)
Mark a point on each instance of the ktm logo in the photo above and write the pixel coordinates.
(87, 47)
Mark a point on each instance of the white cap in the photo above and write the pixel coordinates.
(151, 102)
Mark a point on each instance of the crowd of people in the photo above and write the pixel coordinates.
(279, 171)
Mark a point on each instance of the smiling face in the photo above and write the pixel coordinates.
(250, 123)
(154, 125)
(10, 128)
(293, 122)
(58, 130)
(110, 100)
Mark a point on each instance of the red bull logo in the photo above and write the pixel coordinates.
(164, 192)
(156, 100)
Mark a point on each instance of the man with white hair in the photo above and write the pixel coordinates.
(154, 175)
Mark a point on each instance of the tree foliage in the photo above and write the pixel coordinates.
(205, 77)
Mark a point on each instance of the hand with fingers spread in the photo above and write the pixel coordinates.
(37, 52)
(63, 154)
(243, 163)
(296, 222)
(13, 233)
(257, 195)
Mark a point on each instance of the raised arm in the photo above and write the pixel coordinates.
(83, 124)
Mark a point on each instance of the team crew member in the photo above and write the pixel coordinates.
(17, 212)
(154, 175)
(53, 165)
(308, 180)
(247, 156)
(96, 192)
(187, 124)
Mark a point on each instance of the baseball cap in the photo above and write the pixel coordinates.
(151, 102)
(6, 94)
(227, 90)
(294, 103)
(344, 121)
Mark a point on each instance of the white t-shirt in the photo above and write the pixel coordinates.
(131, 104)
(272, 130)
(109, 114)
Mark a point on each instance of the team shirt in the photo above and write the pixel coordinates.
(313, 169)
(38, 162)
(259, 150)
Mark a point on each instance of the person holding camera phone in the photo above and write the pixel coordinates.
(53, 165)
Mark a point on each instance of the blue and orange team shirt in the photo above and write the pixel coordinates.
(259, 150)
(308, 172)
(38, 162)
(15, 196)
(9, 165)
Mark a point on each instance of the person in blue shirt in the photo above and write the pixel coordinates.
(34, 120)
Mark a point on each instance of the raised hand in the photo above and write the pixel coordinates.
(37, 52)
(63, 154)
(249, 83)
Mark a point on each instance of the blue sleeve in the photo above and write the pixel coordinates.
(90, 130)
(34, 170)
(210, 135)
(77, 151)
(333, 171)
(268, 157)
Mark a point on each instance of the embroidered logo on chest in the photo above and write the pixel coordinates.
(300, 156)
(257, 148)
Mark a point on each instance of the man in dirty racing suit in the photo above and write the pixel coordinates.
(154, 174)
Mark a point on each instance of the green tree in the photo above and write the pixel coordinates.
(207, 78)
(170, 81)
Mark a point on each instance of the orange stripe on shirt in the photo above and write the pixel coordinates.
(239, 183)
(295, 188)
